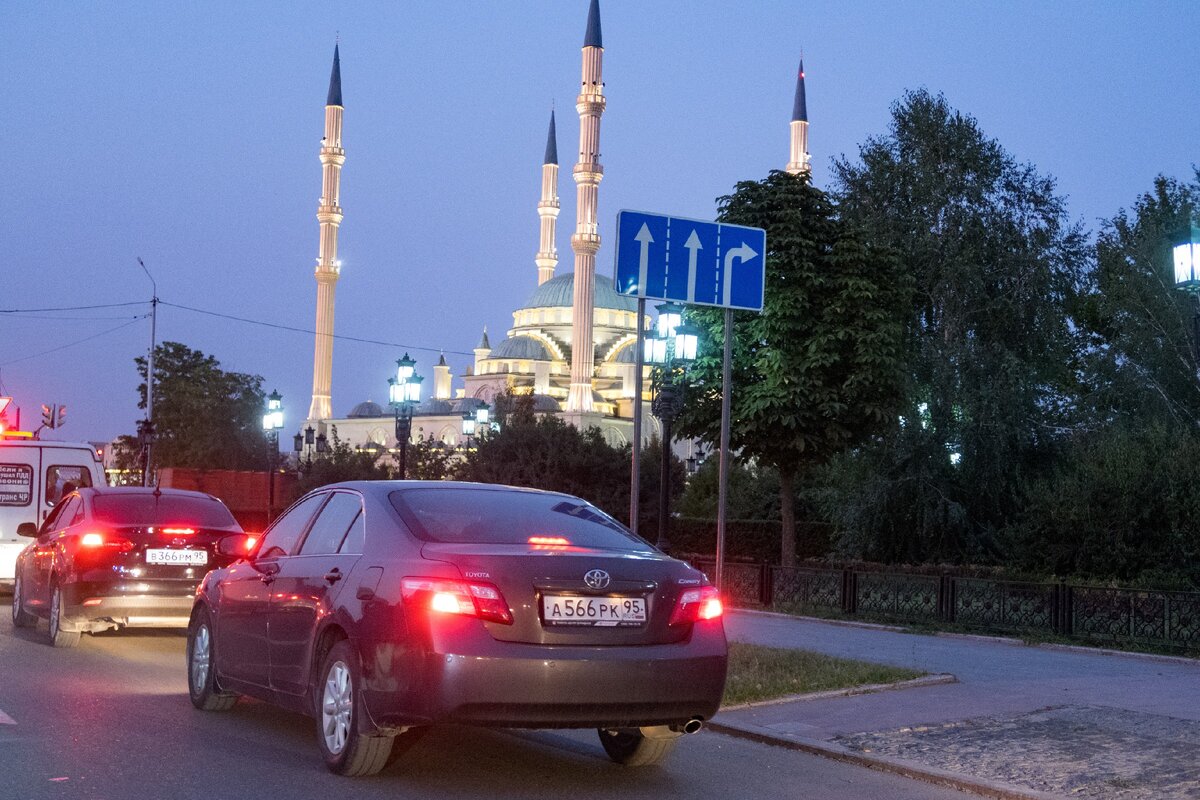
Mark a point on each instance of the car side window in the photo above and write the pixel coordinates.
(331, 526)
(52, 520)
(353, 543)
(281, 538)
(67, 517)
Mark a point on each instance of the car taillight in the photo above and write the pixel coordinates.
(177, 530)
(94, 540)
(482, 600)
(697, 605)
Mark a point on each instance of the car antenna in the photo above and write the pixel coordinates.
(157, 489)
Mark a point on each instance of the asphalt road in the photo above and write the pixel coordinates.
(111, 719)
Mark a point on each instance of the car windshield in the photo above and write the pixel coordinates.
(161, 509)
(477, 516)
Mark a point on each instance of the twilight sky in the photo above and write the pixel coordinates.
(187, 134)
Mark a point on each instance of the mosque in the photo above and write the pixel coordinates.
(571, 345)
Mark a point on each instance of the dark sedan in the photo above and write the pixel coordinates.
(115, 557)
(383, 607)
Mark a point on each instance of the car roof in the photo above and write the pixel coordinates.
(383, 487)
(143, 490)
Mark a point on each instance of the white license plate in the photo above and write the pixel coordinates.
(190, 558)
(600, 612)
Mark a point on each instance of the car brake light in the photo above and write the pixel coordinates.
(178, 531)
(482, 600)
(549, 540)
(697, 605)
(94, 539)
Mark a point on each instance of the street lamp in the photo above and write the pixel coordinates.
(669, 352)
(308, 443)
(272, 424)
(404, 392)
(1187, 277)
(468, 427)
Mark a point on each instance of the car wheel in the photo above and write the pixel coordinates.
(20, 617)
(203, 690)
(58, 636)
(338, 711)
(629, 747)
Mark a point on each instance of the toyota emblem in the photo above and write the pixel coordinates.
(597, 579)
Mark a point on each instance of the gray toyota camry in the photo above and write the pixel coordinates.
(383, 607)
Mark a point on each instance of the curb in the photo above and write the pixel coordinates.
(907, 769)
(936, 679)
(977, 637)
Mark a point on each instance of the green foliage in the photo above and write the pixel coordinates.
(547, 453)
(819, 370)
(753, 492)
(1141, 360)
(990, 352)
(204, 416)
(341, 462)
(430, 460)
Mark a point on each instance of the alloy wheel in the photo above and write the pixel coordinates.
(336, 706)
(201, 654)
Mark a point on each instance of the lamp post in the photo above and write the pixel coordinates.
(404, 392)
(1187, 278)
(308, 443)
(468, 427)
(272, 424)
(669, 351)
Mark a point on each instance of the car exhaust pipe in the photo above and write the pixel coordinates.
(693, 725)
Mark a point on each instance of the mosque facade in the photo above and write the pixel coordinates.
(572, 343)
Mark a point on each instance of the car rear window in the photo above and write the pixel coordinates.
(488, 516)
(164, 509)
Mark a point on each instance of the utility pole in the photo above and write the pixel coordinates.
(149, 443)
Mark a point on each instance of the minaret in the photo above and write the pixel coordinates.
(482, 351)
(586, 240)
(441, 379)
(329, 215)
(800, 157)
(547, 256)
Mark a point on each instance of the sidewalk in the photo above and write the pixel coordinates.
(1020, 722)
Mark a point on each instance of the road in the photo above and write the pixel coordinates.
(111, 720)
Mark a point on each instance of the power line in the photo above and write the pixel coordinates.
(25, 315)
(396, 345)
(71, 308)
(72, 344)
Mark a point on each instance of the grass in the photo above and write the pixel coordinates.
(765, 673)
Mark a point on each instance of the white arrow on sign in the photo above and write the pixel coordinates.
(693, 246)
(644, 237)
(744, 252)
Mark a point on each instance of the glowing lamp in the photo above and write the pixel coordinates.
(687, 338)
(670, 317)
(1187, 262)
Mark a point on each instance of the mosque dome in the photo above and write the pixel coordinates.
(523, 347)
(433, 406)
(366, 409)
(559, 292)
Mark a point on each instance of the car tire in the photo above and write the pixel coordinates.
(630, 747)
(20, 617)
(203, 689)
(339, 711)
(58, 636)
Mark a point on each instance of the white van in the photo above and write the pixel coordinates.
(32, 477)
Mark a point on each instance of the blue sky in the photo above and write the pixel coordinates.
(187, 134)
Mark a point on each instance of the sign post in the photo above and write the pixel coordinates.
(694, 262)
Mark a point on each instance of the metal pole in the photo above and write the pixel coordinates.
(635, 466)
(150, 371)
(723, 481)
(403, 428)
(664, 483)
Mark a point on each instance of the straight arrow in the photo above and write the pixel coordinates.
(693, 246)
(644, 237)
(744, 252)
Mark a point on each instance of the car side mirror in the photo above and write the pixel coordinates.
(28, 529)
(239, 545)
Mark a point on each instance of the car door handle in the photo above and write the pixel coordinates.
(333, 576)
(267, 579)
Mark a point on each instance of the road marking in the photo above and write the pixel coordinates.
(5, 719)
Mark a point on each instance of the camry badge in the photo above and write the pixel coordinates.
(597, 579)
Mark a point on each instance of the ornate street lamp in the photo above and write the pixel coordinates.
(468, 427)
(669, 352)
(308, 442)
(272, 424)
(404, 392)
(1187, 277)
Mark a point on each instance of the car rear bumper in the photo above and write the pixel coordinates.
(481, 681)
(96, 606)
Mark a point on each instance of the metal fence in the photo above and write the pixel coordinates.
(1087, 613)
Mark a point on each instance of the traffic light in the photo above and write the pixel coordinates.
(47, 416)
(61, 419)
(53, 416)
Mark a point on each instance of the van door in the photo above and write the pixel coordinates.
(20, 501)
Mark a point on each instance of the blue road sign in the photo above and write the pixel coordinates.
(690, 261)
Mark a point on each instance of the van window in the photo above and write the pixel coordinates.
(16, 484)
(59, 475)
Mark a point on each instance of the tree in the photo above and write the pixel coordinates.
(547, 453)
(204, 416)
(819, 369)
(341, 462)
(989, 349)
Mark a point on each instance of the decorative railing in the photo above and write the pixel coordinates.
(1095, 614)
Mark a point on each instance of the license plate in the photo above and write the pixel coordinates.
(600, 612)
(190, 558)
